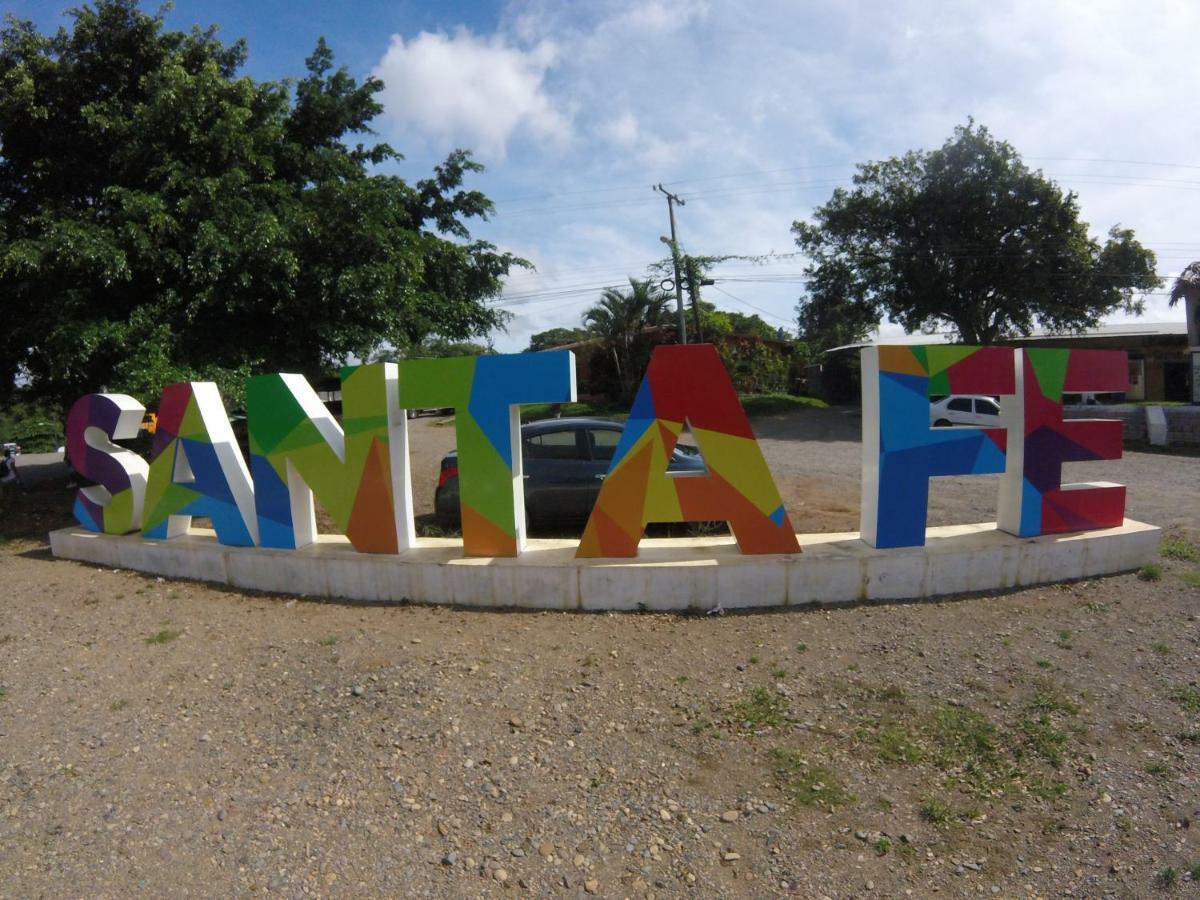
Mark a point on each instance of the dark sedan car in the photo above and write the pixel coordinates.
(565, 462)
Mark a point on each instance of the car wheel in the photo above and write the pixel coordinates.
(410, 414)
(942, 423)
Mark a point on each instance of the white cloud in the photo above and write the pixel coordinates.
(623, 130)
(469, 89)
(754, 112)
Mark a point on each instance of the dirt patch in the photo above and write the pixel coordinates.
(173, 738)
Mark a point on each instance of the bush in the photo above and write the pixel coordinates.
(36, 425)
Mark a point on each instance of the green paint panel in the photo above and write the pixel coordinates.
(942, 357)
(430, 383)
(939, 384)
(485, 481)
(364, 391)
(1050, 367)
(118, 514)
(175, 498)
(333, 483)
(919, 352)
(192, 425)
(272, 412)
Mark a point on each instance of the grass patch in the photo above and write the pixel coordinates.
(802, 648)
(1044, 738)
(1191, 579)
(1048, 790)
(1049, 699)
(3, 693)
(1167, 877)
(1158, 769)
(762, 709)
(898, 745)
(1187, 696)
(163, 637)
(881, 846)
(118, 705)
(328, 641)
(936, 811)
(1161, 649)
(778, 404)
(806, 784)
(1151, 572)
(535, 411)
(1044, 664)
(1178, 548)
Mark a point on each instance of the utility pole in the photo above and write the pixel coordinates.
(695, 281)
(672, 199)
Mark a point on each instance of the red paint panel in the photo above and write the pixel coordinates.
(1097, 371)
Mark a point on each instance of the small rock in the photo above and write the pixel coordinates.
(357, 690)
(501, 875)
(592, 885)
(730, 815)
(731, 857)
(450, 859)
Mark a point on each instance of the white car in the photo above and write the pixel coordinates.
(965, 409)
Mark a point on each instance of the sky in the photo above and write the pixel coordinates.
(751, 112)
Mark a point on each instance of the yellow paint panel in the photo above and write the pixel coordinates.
(740, 462)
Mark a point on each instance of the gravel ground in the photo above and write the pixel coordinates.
(170, 738)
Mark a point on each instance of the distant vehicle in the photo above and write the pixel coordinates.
(965, 409)
(565, 462)
(440, 411)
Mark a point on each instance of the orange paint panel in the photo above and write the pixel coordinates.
(482, 538)
(714, 498)
(372, 525)
(607, 538)
(900, 359)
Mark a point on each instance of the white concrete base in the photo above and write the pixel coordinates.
(670, 573)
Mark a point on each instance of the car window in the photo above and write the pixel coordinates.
(987, 407)
(960, 404)
(553, 445)
(604, 443)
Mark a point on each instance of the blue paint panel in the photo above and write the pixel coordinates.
(643, 403)
(84, 517)
(1031, 510)
(273, 505)
(501, 381)
(777, 516)
(911, 452)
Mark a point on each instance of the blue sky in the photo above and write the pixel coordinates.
(752, 112)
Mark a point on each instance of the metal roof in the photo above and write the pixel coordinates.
(1109, 330)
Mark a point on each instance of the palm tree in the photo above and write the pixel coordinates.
(620, 318)
(1187, 288)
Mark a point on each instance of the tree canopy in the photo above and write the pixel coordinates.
(556, 337)
(162, 216)
(965, 237)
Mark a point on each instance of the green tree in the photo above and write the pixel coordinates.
(556, 337)
(620, 319)
(162, 216)
(1187, 289)
(965, 237)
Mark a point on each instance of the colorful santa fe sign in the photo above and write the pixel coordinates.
(114, 503)
(1033, 499)
(687, 385)
(359, 470)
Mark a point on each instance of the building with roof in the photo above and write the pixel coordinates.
(1160, 364)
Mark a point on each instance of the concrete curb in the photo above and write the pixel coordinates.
(670, 573)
